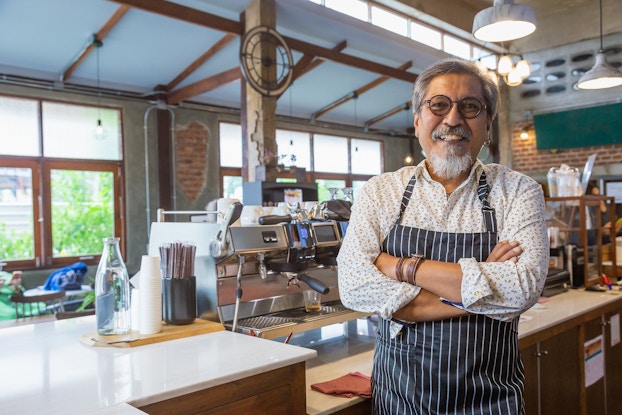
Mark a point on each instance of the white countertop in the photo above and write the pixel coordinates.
(46, 370)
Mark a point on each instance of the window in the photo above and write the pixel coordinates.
(457, 47)
(331, 161)
(390, 21)
(60, 182)
(354, 8)
(424, 34)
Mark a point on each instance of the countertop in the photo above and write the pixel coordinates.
(46, 370)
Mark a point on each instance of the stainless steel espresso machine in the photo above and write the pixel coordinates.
(251, 278)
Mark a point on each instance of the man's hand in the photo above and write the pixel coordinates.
(505, 251)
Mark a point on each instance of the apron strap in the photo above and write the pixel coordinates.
(482, 192)
(488, 212)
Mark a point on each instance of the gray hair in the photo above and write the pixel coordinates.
(460, 67)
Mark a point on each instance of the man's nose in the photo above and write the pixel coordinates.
(453, 117)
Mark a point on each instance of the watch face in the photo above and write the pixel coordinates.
(266, 61)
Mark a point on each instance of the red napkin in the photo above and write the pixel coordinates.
(352, 384)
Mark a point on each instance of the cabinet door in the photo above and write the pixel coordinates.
(595, 393)
(531, 356)
(560, 388)
(613, 367)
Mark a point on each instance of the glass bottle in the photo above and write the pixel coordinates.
(348, 194)
(112, 291)
(334, 193)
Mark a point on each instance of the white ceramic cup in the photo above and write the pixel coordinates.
(250, 214)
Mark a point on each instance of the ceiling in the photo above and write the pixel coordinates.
(190, 49)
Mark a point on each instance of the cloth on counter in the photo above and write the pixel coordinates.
(352, 384)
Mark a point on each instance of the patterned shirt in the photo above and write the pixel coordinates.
(501, 290)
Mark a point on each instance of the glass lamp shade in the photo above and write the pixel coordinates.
(505, 65)
(601, 76)
(513, 78)
(523, 67)
(504, 21)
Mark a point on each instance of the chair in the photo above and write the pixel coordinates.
(62, 315)
(48, 303)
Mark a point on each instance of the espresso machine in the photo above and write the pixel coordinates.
(251, 278)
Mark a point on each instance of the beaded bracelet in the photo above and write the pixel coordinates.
(413, 265)
(398, 269)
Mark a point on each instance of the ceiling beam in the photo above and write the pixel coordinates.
(204, 85)
(186, 14)
(88, 48)
(404, 107)
(356, 93)
(309, 62)
(218, 46)
(331, 55)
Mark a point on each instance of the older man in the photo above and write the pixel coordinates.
(448, 254)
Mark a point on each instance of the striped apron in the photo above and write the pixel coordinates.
(463, 365)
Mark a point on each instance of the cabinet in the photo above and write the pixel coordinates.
(584, 222)
(278, 392)
(555, 365)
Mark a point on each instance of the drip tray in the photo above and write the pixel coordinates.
(296, 320)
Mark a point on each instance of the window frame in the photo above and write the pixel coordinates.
(42, 199)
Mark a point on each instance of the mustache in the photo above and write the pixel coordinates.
(461, 131)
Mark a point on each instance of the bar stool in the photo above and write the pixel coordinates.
(53, 303)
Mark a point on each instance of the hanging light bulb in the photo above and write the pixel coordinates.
(505, 65)
(513, 78)
(523, 67)
(99, 129)
(524, 134)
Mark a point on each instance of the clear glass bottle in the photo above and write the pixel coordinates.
(112, 291)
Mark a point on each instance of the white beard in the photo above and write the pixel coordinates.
(451, 166)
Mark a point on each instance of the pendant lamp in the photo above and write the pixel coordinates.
(602, 75)
(99, 129)
(504, 21)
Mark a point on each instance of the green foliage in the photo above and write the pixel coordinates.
(82, 211)
(16, 244)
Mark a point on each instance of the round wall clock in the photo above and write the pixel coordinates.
(266, 61)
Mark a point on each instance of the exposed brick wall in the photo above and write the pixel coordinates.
(527, 159)
(191, 148)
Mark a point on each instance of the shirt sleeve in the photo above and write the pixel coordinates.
(503, 290)
(362, 287)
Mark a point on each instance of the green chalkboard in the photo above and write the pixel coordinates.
(579, 128)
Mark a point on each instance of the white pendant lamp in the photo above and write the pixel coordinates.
(602, 75)
(504, 21)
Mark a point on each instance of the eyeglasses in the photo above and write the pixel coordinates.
(441, 105)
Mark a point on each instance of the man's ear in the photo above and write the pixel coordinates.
(416, 123)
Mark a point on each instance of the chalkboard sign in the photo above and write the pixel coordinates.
(579, 128)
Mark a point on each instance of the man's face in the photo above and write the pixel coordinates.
(452, 146)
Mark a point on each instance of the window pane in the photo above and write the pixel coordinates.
(16, 214)
(293, 143)
(19, 127)
(366, 156)
(230, 145)
(323, 194)
(354, 8)
(390, 21)
(457, 47)
(357, 185)
(82, 211)
(425, 35)
(232, 187)
(330, 153)
(69, 131)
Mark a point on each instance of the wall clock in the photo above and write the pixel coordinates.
(266, 61)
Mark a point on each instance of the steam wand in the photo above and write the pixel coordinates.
(238, 292)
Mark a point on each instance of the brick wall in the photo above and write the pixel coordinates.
(527, 159)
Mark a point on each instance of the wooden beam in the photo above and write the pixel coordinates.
(201, 60)
(391, 112)
(103, 32)
(204, 85)
(186, 14)
(308, 48)
(356, 93)
(309, 62)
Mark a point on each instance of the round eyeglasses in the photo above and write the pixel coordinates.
(441, 105)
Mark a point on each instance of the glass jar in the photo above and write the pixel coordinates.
(112, 291)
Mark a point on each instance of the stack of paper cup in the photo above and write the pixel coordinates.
(150, 284)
